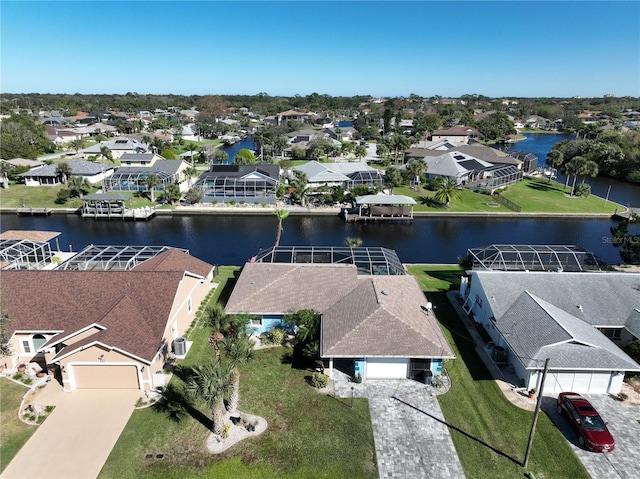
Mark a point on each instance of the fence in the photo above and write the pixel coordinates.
(509, 204)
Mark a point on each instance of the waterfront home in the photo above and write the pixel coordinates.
(104, 328)
(578, 320)
(456, 133)
(240, 183)
(118, 147)
(133, 176)
(344, 174)
(47, 175)
(374, 315)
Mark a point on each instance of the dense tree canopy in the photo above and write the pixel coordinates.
(21, 137)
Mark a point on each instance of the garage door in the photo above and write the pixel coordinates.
(105, 377)
(579, 382)
(383, 368)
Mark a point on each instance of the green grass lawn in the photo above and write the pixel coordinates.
(310, 435)
(536, 195)
(532, 195)
(13, 432)
(490, 433)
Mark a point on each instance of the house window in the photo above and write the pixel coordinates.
(612, 333)
(256, 321)
(479, 301)
(26, 346)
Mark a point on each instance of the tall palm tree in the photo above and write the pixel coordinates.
(216, 318)
(105, 152)
(446, 190)
(239, 350)
(281, 215)
(555, 158)
(576, 167)
(64, 170)
(192, 147)
(190, 172)
(590, 168)
(151, 181)
(211, 382)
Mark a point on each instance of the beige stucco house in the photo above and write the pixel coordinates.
(104, 329)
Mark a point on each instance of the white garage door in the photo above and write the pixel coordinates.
(386, 368)
(105, 377)
(579, 382)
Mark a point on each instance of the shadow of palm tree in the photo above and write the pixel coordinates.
(464, 433)
(430, 202)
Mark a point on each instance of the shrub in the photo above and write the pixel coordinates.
(319, 380)
(17, 376)
(357, 379)
(63, 196)
(623, 396)
(225, 431)
(633, 350)
(276, 336)
(583, 190)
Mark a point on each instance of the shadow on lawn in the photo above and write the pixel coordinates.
(457, 429)
(430, 202)
(543, 186)
(177, 406)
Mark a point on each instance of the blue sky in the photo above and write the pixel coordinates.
(498, 48)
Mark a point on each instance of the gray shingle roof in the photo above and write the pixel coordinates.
(536, 329)
(78, 168)
(601, 299)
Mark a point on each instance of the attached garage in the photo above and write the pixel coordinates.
(107, 376)
(386, 368)
(583, 382)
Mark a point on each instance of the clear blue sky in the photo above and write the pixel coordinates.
(529, 49)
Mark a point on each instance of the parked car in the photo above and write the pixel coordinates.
(592, 430)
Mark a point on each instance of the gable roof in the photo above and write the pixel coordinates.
(536, 329)
(454, 164)
(175, 260)
(602, 299)
(70, 300)
(239, 171)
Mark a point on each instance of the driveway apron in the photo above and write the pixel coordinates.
(77, 437)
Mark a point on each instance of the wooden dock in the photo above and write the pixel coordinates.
(355, 218)
(33, 211)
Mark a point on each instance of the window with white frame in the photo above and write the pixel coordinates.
(26, 346)
(256, 321)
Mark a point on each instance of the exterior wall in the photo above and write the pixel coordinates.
(386, 368)
(436, 367)
(19, 355)
(266, 323)
(462, 139)
(81, 336)
(97, 178)
(191, 292)
(41, 181)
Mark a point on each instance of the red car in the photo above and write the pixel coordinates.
(592, 430)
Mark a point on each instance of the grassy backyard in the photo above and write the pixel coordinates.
(490, 434)
(15, 433)
(532, 195)
(309, 435)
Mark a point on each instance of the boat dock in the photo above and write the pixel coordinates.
(626, 215)
(33, 211)
(356, 218)
(145, 213)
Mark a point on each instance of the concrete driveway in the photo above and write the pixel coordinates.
(76, 439)
(623, 422)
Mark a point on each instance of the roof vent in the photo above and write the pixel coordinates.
(579, 307)
(384, 292)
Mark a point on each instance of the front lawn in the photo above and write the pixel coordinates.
(469, 202)
(309, 435)
(490, 433)
(13, 432)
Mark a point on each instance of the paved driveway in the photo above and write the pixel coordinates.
(411, 438)
(76, 439)
(623, 423)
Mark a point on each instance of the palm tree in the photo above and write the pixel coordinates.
(221, 156)
(360, 151)
(280, 143)
(76, 144)
(416, 168)
(281, 215)
(211, 382)
(590, 168)
(353, 242)
(446, 190)
(64, 170)
(105, 152)
(399, 143)
(576, 167)
(192, 147)
(555, 158)
(191, 172)
(239, 350)
(151, 181)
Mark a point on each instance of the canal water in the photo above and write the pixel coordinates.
(232, 239)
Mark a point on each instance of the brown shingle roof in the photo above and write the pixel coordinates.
(175, 260)
(37, 236)
(358, 319)
(133, 306)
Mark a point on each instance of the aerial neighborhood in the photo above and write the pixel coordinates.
(309, 360)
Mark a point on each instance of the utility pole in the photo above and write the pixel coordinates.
(535, 414)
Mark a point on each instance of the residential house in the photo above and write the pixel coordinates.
(249, 183)
(345, 174)
(295, 116)
(374, 316)
(118, 147)
(47, 175)
(578, 320)
(104, 329)
(456, 133)
(137, 167)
